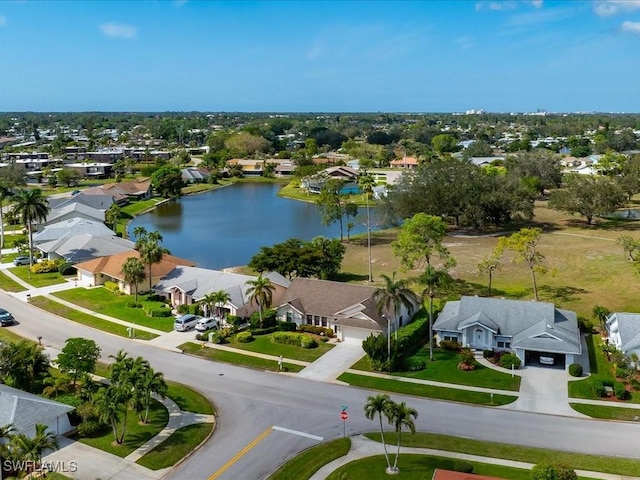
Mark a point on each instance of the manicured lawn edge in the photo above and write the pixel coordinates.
(264, 344)
(77, 316)
(37, 280)
(607, 413)
(615, 465)
(189, 399)
(236, 358)
(178, 446)
(420, 390)
(309, 461)
(9, 284)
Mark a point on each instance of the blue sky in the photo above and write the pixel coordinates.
(303, 56)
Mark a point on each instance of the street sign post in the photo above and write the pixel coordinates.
(344, 416)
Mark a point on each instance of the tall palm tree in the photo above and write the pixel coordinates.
(148, 383)
(26, 448)
(433, 278)
(601, 313)
(377, 405)
(133, 271)
(261, 291)
(150, 250)
(400, 416)
(390, 299)
(5, 192)
(215, 299)
(31, 207)
(109, 408)
(366, 183)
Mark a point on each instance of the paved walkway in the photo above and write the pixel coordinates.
(362, 447)
(333, 363)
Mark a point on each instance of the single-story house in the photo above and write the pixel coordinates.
(349, 310)
(529, 329)
(91, 170)
(109, 269)
(624, 332)
(314, 183)
(138, 189)
(73, 210)
(116, 196)
(440, 474)
(100, 202)
(83, 247)
(24, 410)
(185, 285)
(195, 175)
(71, 227)
(405, 162)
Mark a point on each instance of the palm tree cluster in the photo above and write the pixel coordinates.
(214, 303)
(19, 451)
(23, 365)
(133, 382)
(399, 415)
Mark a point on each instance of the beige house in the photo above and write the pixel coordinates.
(109, 269)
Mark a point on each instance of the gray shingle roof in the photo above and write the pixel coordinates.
(73, 226)
(629, 329)
(532, 325)
(75, 207)
(24, 410)
(80, 248)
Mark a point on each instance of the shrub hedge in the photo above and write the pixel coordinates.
(575, 370)
(317, 330)
(297, 339)
(508, 360)
(244, 337)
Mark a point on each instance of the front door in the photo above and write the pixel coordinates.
(479, 339)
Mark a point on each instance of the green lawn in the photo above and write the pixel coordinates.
(445, 369)
(419, 467)
(236, 358)
(189, 399)
(607, 413)
(441, 393)
(264, 344)
(136, 434)
(137, 207)
(182, 442)
(617, 465)
(6, 335)
(37, 280)
(10, 285)
(89, 320)
(304, 465)
(103, 301)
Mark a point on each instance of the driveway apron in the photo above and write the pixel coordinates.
(331, 365)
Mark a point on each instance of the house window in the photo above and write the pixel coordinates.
(324, 321)
(309, 320)
(449, 338)
(507, 344)
(500, 344)
(316, 320)
(289, 316)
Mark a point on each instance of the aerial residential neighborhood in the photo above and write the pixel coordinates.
(320, 240)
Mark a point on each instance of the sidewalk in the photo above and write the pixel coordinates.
(362, 447)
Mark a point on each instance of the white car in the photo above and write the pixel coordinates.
(207, 323)
(547, 360)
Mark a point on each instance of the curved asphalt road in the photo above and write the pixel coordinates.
(249, 402)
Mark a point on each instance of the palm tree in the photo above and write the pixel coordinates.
(377, 405)
(112, 215)
(390, 299)
(150, 250)
(109, 407)
(400, 416)
(215, 299)
(601, 313)
(488, 265)
(44, 440)
(31, 207)
(366, 183)
(5, 192)
(148, 383)
(22, 365)
(56, 383)
(133, 271)
(261, 292)
(6, 432)
(433, 278)
(30, 449)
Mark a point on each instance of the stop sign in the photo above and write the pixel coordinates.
(344, 415)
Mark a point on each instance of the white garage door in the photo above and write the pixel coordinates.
(355, 335)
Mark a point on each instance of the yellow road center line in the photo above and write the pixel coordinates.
(241, 453)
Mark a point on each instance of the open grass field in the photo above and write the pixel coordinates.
(589, 268)
(264, 344)
(115, 305)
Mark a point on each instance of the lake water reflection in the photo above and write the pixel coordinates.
(226, 227)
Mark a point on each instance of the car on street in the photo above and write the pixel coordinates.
(186, 322)
(21, 261)
(206, 323)
(6, 318)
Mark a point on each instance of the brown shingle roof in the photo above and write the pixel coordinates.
(112, 265)
(449, 475)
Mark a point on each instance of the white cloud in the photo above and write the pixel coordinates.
(118, 30)
(606, 8)
(631, 27)
(506, 5)
(3, 21)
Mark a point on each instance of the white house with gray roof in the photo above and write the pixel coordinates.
(71, 227)
(80, 248)
(186, 285)
(624, 332)
(526, 328)
(24, 410)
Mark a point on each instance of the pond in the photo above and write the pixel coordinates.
(226, 227)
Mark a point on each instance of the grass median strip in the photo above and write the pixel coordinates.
(237, 358)
(617, 465)
(440, 393)
(607, 413)
(311, 460)
(188, 399)
(177, 446)
(88, 320)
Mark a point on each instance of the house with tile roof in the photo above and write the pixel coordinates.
(529, 329)
(348, 309)
(109, 269)
(624, 332)
(185, 285)
(24, 410)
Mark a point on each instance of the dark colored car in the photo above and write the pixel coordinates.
(5, 318)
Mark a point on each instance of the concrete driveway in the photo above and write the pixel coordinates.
(544, 390)
(331, 365)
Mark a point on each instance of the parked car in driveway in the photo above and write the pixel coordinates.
(547, 359)
(21, 261)
(6, 318)
(186, 322)
(206, 323)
